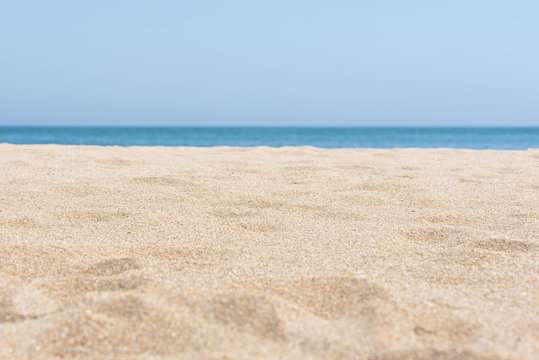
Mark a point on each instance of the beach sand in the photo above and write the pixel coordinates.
(245, 253)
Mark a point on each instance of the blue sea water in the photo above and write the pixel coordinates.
(364, 137)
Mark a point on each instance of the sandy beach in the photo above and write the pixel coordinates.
(246, 253)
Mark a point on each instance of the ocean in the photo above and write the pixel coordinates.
(331, 137)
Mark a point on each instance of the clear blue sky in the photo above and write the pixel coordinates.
(274, 62)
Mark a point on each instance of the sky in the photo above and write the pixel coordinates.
(260, 63)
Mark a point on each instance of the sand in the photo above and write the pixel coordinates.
(297, 253)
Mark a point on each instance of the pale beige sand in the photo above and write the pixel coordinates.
(298, 253)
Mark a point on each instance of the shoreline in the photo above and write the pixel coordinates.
(284, 147)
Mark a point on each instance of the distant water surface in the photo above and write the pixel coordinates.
(364, 137)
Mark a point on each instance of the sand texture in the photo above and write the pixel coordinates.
(296, 253)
